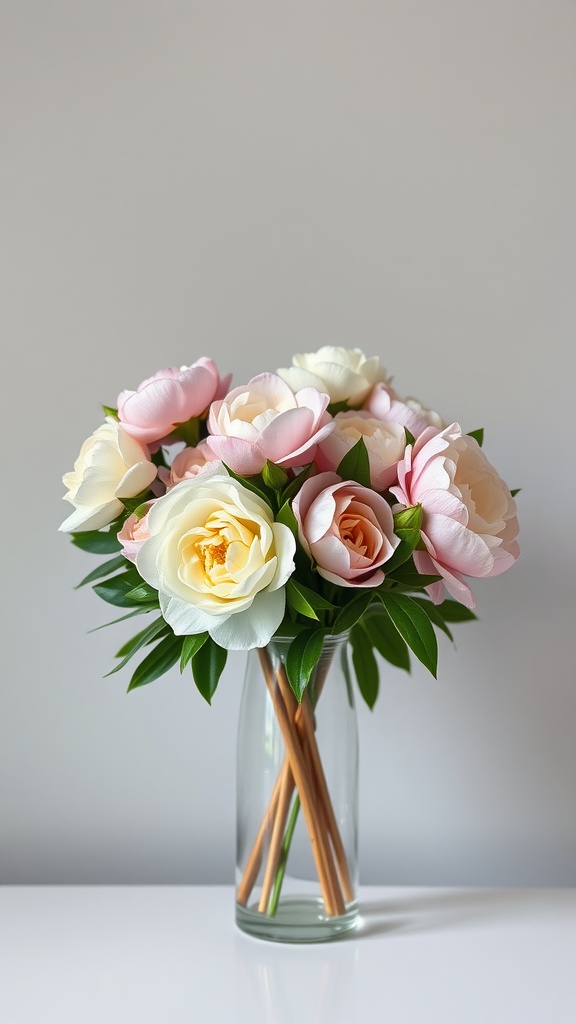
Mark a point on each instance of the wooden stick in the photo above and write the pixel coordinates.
(303, 783)
(305, 722)
(275, 848)
(308, 743)
(255, 859)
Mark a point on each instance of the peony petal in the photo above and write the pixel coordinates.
(91, 518)
(253, 627)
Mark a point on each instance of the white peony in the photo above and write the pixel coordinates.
(111, 466)
(345, 374)
(218, 560)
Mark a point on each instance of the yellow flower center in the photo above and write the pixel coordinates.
(212, 551)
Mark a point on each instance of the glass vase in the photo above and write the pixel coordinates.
(297, 799)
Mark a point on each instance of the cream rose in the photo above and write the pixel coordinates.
(111, 466)
(345, 374)
(385, 444)
(219, 561)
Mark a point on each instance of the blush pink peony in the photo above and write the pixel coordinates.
(170, 397)
(384, 404)
(385, 444)
(134, 532)
(347, 529)
(469, 525)
(187, 463)
(265, 419)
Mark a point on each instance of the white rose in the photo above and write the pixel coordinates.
(111, 466)
(345, 374)
(218, 560)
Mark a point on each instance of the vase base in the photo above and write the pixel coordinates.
(297, 919)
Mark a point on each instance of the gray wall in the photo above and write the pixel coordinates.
(246, 180)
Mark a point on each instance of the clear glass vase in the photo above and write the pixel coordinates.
(297, 799)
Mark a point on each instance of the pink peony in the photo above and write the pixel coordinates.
(264, 420)
(134, 532)
(384, 404)
(469, 526)
(385, 443)
(188, 463)
(347, 529)
(170, 397)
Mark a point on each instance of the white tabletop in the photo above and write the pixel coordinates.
(173, 955)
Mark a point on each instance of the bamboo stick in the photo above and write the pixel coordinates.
(303, 783)
(275, 848)
(255, 859)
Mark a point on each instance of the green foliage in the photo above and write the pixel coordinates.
(365, 665)
(385, 638)
(348, 615)
(156, 629)
(207, 666)
(303, 654)
(98, 542)
(407, 526)
(155, 664)
(414, 626)
(355, 465)
(103, 570)
(274, 476)
(190, 647)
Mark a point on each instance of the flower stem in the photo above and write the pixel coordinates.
(284, 857)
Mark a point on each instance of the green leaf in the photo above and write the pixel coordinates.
(156, 628)
(414, 627)
(274, 476)
(384, 636)
(318, 602)
(287, 518)
(515, 491)
(291, 490)
(98, 542)
(365, 665)
(133, 504)
(143, 594)
(103, 570)
(190, 647)
(453, 611)
(248, 484)
(137, 611)
(335, 407)
(355, 465)
(109, 410)
(207, 666)
(302, 657)
(116, 589)
(346, 674)
(298, 602)
(407, 524)
(159, 661)
(478, 435)
(348, 615)
(410, 439)
(434, 615)
(409, 577)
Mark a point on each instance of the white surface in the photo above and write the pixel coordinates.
(151, 955)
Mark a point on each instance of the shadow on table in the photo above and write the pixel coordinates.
(434, 911)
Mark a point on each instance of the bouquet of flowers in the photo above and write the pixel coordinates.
(308, 503)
